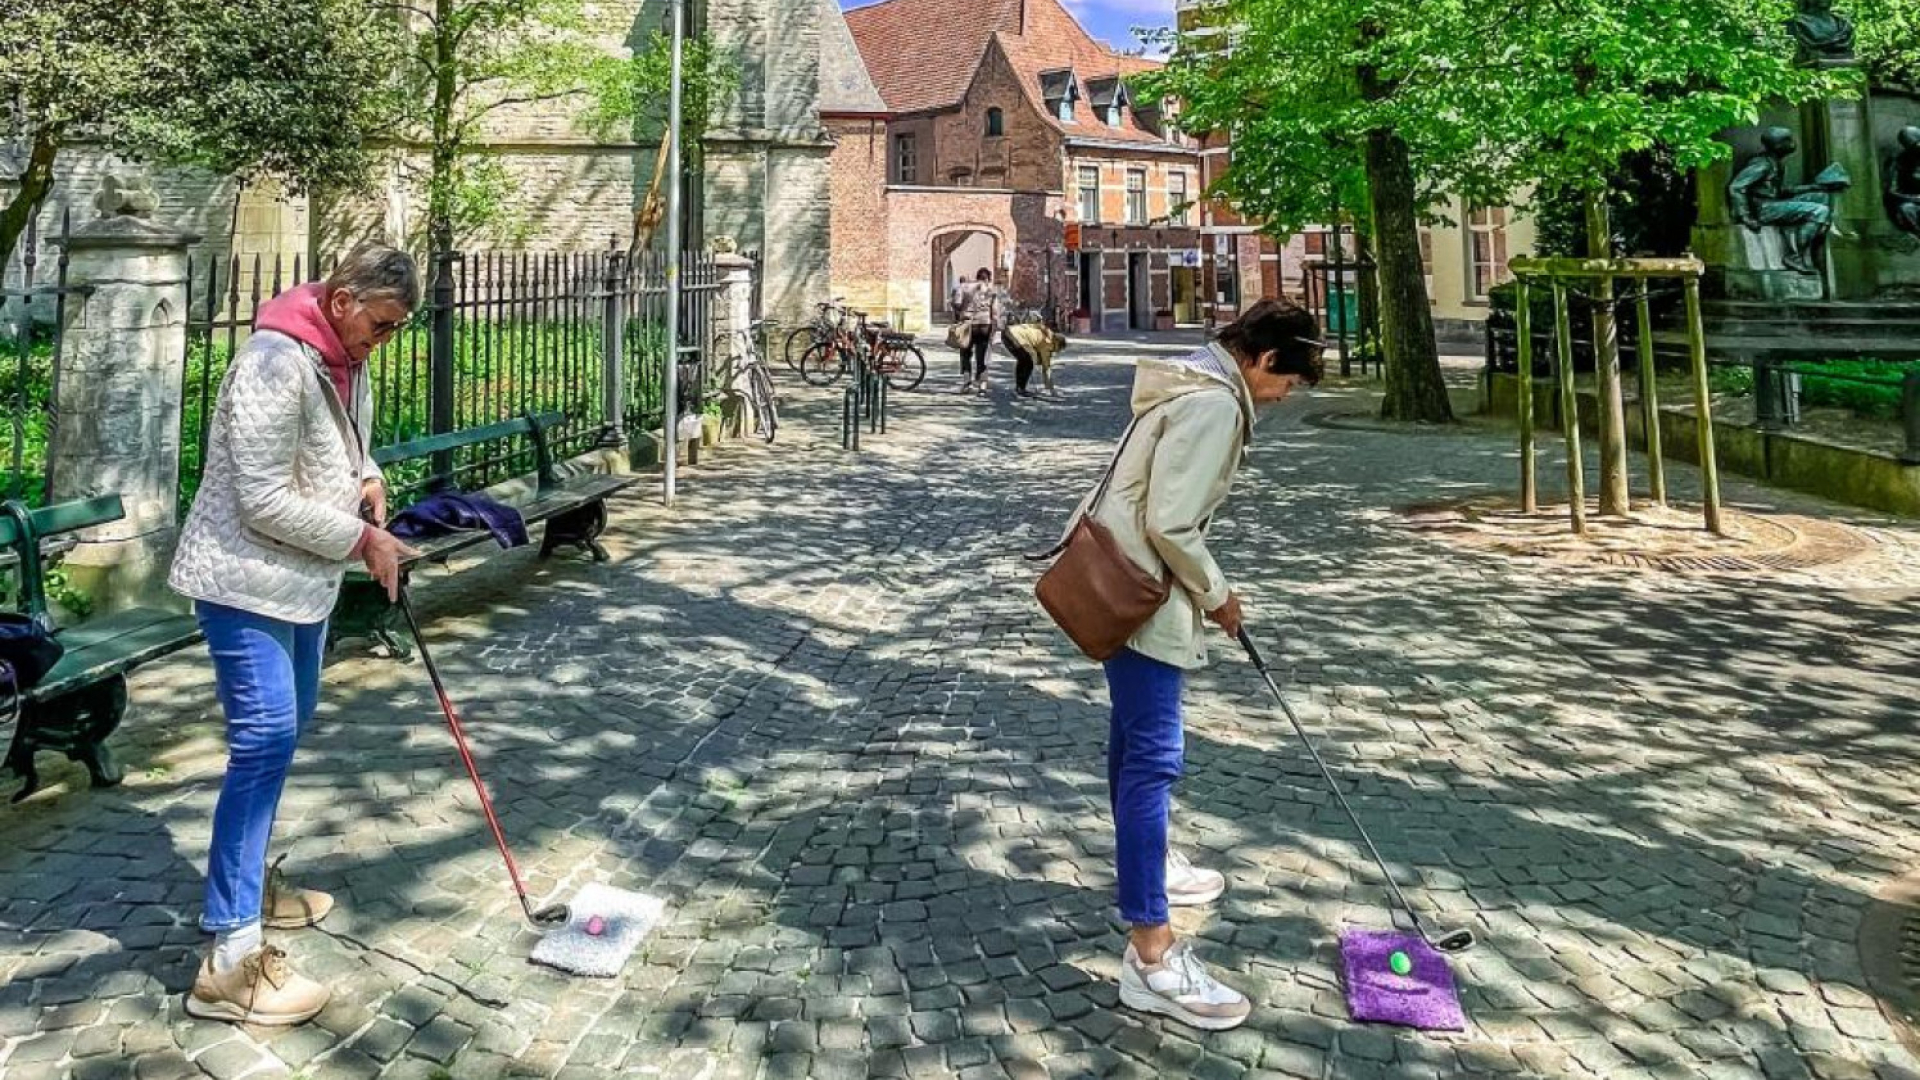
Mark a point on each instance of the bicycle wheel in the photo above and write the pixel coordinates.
(799, 339)
(822, 365)
(913, 368)
(765, 412)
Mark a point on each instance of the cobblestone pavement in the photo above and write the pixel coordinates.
(816, 708)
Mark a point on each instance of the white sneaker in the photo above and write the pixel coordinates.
(1189, 885)
(1180, 986)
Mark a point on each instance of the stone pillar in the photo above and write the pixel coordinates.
(1841, 130)
(732, 312)
(117, 410)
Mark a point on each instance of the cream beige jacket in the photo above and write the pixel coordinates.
(1193, 420)
(277, 513)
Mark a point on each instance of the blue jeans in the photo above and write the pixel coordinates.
(1146, 751)
(267, 675)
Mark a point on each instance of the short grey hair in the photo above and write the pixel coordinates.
(377, 271)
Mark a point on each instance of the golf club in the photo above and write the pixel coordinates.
(1452, 941)
(546, 918)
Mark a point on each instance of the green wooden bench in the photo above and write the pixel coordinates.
(81, 701)
(573, 509)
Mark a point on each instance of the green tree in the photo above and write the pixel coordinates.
(1888, 39)
(1594, 83)
(1365, 97)
(469, 62)
(253, 87)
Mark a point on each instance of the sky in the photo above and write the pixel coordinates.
(1111, 21)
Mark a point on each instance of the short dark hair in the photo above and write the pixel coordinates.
(1279, 326)
(984, 275)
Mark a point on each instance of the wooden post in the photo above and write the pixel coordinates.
(1523, 348)
(1569, 410)
(1703, 408)
(1650, 399)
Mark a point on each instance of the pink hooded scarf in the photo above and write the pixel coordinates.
(299, 315)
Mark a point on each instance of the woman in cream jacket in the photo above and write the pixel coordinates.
(274, 526)
(1193, 418)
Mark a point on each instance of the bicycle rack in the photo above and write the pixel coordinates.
(865, 400)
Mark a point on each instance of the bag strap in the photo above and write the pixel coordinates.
(1100, 492)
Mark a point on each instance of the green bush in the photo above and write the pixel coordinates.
(1878, 399)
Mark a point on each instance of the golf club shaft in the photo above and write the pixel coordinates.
(1333, 785)
(466, 756)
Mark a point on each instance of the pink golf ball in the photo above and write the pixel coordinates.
(596, 926)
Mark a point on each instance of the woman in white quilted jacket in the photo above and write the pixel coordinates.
(274, 526)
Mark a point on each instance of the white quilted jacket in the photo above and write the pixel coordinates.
(278, 511)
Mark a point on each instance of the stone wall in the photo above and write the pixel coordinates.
(192, 201)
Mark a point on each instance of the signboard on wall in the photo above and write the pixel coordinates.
(1073, 236)
(1189, 257)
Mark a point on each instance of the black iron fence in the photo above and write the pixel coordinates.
(32, 313)
(497, 335)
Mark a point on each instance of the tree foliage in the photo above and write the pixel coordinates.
(1888, 39)
(469, 65)
(252, 87)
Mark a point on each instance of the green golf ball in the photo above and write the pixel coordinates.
(1399, 962)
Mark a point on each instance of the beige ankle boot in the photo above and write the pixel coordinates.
(261, 989)
(285, 906)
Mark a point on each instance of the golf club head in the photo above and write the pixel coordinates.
(1453, 941)
(550, 917)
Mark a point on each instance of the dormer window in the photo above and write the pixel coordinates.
(1108, 96)
(1060, 90)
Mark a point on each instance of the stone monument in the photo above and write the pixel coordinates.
(1821, 203)
(1761, 197)
(118, 404)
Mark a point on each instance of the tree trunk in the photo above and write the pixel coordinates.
(34, 185)
(1415, 389)
(1614, 499)
(443, 177)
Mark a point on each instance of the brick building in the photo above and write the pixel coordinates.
(1004, 124)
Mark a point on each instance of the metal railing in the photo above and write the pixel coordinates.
(32, 316)
(498, 335)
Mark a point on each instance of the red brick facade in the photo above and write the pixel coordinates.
(988, 153)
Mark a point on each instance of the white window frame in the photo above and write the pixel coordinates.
(1178, 209)
(1136, 213)
(1088, 195)
(1474, 231)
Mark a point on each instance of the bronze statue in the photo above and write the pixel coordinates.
(1822, 33)
(1760, 195)
(1903, 182)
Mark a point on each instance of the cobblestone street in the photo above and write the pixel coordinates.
(816, 708)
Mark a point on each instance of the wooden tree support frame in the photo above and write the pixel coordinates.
(1558, 275)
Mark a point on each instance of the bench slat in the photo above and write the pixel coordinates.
(455, 440)
(108, 646)
(79, 514)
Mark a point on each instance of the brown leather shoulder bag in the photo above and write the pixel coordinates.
(1093, 591)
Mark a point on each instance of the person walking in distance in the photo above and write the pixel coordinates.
(979, 307)
(274, 526)
(1193, 419)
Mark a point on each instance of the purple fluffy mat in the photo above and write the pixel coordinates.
(1424, 998)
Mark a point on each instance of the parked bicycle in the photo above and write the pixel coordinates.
(747, 375)
(828, 319)
(890, 354)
